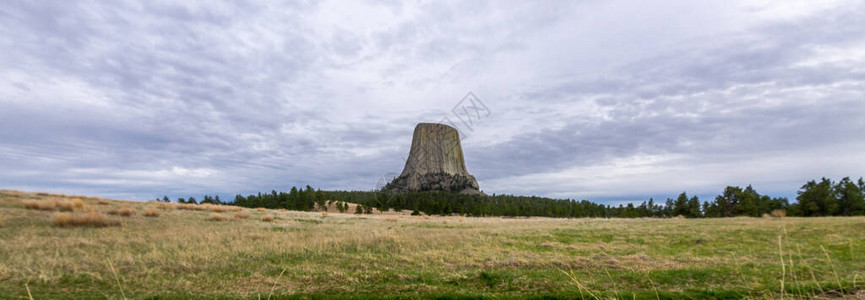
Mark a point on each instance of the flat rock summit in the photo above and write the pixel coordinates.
(435, 162)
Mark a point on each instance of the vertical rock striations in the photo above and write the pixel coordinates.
(435, 162)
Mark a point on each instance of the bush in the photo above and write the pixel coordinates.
(41, 205)
(151, 212)
(241, 215)
(70, 205)
(31, 204)
(94, 219)
(267, 219)
(779, 213)
(166, 205)
(217, 217)
(218, 208)
(186, 206)
(123, 211)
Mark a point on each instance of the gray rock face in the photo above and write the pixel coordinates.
(435, 162)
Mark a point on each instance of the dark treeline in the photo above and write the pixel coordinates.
(815, 198)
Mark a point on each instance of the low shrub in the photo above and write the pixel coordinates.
(50, 204)
(166, 205)
(261, 209)
(778, 213)
(95, 219)
(87, 208)
(126, 212)
(217, 217)
(31, 204)
(70, 205)
(221, 208)
(151, 212)
(267, 219)
(241, 215)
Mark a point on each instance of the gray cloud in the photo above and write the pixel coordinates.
(606, 100)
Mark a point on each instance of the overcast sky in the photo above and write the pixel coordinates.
(602, 100)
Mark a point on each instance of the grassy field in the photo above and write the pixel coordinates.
(179, 253)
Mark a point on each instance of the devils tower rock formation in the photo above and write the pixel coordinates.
(435, 162)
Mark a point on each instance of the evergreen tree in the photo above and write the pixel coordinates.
(748, 203)
(319, 200)
(191, 200)
(680, 207)
(728, 201)
(694, 208)
(850, 198)
(817, 199)
(668, 208)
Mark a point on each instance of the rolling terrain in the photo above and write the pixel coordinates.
(126, 249)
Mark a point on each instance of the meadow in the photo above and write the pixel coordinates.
(122, 249)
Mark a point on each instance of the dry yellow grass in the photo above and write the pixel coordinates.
(70, 205)
(217, 217)
(218, 208)
(779, 213)
(166, 205)
(49, 204)
(95, 219)
(324, 214)
(261, 209)
(151, 212)
(67, 205)
(126, 211)
(31, 204)
(122, 211)
(221, 208)
(241, 215)
(347, 254)
(186, 206)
